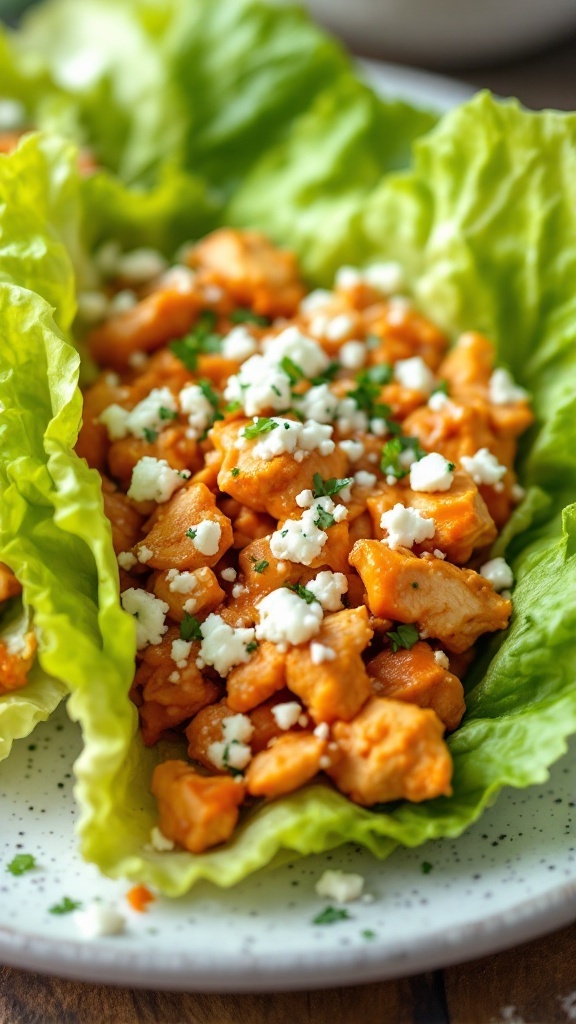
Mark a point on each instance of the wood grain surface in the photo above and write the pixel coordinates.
(531, 984)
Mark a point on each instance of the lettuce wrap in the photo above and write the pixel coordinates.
(484, 223)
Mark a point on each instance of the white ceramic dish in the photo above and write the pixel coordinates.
(509, 878)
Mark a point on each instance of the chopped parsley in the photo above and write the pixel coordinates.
(379, 374)
(21, 863)
(328, 375)
(261, 565)
(440, 388)
(66, 906)
(191, 533)
(201, 340)
(209, 393)
(150, 435)
(294, 372)
(190, 628)
(235, 471)
(426, 867)
(226, 756)
(302, 592)
(252, 646)
(368, 934)
(326, 488)
(263, 425)
(246, 316)
(366, 395)
(415, 585)
(324, 520)
(233, 406)
(167, 414)
(391, 463)
(330, 915)
(405, 636)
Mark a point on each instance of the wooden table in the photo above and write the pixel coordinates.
(531, 984)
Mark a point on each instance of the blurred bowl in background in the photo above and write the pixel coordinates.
(444, 33)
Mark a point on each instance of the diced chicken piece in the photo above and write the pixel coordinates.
(9, 585)
(155, 320)
(266, 727)
(162, 370)
(391, 751)
(336, 687)
(252, 683)
(197, 593)
(205, 729)
(93, 443)
(168, 701)
(256, 273)
(269, 485)
(404, 333)
(292, 761)
(181, 452)
(16, 664)
(416, 677)
(196, 812)
(454, 605)
(360, 528)
(126, 522)
(168, 540)
(249, 525)
(461, 517)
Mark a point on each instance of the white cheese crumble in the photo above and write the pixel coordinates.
(351, 419)
(181, 582)
(293, 438)
(517, 493)
(306, 353)
(262, 384)
(229, 575)
(352, 355)
(140, 265)
(498, 573)
(406, 527)
(364, 479)
(145, 554)
(386, 277)
(483, 467)
(98, 920)
(338, 327)
(438, 401)
(233, 751)
(149, 612)
(120, 303)
(502, 389)
(285, 618)
(328, 588)
(319, 653)
(126, 560)
(340, 886)
(415, 374)
(92, 306)
(198, 409)
(441, 659)
(301, 540)
(179, 278)
(159, 842)
(322, 730)
(151, 415)
(318, 403)
(432, 473)
(353, 449)
(239, 344)
(207, 537)
(315, 300)
(155, 480)
(222, 646)
(286, 715)
(180, 652)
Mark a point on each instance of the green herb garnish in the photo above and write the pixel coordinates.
(330, 915)
(379, 374)
(233, 406)
(441, 388)
(326, 488)
(235, 471)
(292, 370)
(367, 933)
(191, 533)
(302, 592)
(150, 435)
(426, 867)
(167, 414)
(405, 636)
(66, 906)
(21, 863)
(391, 463)
(202, 339)
(252, 646)
(190, 628)
(263, 425)
(246, 316)
(324, 520)
(261, 565)
(209, 393)
(328, 375)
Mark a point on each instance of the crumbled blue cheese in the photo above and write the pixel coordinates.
(441, 659)
(319, 653)
(304, 352)
(352, 355)
(98, 920)
(223, 646)
(150, 613)
(239, 344)
(207, 536)
(150, 415)
(286, 715)
(498, 573)
(155, 480)
(233, 750)
(198, 409)
(432, 473)
(406, 527)
(503, 390)
(483, 467)
(301, 540)
(328, 588)
(181, 582)
(318, 403)
(415, 374)
(140, 265)
(259, 386)
(285, 618)
(340, 886)
(180, 652)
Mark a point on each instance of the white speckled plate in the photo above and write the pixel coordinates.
(510, 878)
